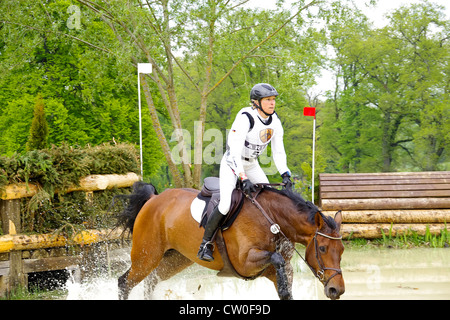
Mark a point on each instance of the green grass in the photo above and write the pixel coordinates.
(408, 240)
(36, 294)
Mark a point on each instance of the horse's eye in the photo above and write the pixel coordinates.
(322, 249)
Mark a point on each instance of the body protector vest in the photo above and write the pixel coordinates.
(250, 135)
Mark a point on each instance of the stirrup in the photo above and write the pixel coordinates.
(204, 248)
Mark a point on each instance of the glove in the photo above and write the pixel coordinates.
(248, 187)
(287, 180)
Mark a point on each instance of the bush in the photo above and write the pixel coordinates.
(59, 168)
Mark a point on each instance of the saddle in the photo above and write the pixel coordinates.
(210, 194)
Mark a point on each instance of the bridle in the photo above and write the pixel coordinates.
(275, 229)
(321, 273)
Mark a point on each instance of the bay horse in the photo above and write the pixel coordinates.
(165, 239)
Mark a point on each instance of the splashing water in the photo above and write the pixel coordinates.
(194, 283)
(369, 274)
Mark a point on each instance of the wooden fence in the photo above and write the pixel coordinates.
(22, 254)
(395, 203)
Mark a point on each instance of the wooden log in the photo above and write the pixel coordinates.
(10, 243)
(374, 231)
(385, 175)
(385, 204)
(384, 187)
(385, 181)
(49, 264)
(18, 190)
(394, 216)
(385, 194)
(103, 182)
(89, 183)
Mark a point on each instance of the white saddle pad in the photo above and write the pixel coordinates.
(197, 207)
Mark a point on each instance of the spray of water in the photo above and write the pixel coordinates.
(194, 283)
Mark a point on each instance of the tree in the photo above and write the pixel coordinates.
(90, 94)
(289, 63)
(140, 22)
(39, 127)
(393, 79)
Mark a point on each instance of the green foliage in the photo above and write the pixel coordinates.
(388, 112)
(39, 127)
(61, 167)
(69, 213)
(90, 96)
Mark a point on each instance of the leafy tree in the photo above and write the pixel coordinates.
(39, 127)
(389, 110)
(392, 80)
(153, 39)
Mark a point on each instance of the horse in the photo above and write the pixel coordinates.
(165, 239)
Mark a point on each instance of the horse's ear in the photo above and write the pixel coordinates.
(338, 219)
(319, 220)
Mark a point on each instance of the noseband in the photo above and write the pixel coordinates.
(321, 273)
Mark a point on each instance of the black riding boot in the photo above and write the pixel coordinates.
(206, 248)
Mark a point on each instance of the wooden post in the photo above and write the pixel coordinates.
(10, 212)
(11, 224)
(13, 273)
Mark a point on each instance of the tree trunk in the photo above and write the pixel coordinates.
(160, 134)
(386, 145)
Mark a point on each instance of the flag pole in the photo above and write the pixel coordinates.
(311, 112)
(313, 156)
(142, 68)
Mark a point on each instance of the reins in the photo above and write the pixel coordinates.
(275, 229)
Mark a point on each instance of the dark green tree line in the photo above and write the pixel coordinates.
(388, 112)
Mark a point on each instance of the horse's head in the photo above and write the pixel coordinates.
(323, 254)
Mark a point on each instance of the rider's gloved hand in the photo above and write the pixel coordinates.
(248, 187)
(287, 180)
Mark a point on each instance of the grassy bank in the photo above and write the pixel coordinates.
(406, 241)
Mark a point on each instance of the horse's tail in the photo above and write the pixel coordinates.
(141, 193)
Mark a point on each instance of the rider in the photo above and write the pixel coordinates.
(252, 130)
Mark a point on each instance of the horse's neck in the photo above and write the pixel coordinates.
(294, 224)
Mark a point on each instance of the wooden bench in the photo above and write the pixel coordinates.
(393, 202)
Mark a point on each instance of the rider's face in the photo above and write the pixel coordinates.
(268, 104)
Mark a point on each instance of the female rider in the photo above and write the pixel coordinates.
(252, 130)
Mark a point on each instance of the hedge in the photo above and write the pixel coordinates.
(59, 168)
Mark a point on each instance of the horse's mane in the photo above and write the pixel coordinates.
(303, 205)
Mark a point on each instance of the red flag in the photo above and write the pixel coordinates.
(309, 112)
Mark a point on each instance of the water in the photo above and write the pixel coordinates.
(421, 274)
(368, 274)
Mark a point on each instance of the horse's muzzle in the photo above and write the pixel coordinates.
(334, 292)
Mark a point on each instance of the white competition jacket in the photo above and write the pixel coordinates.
(249, 136)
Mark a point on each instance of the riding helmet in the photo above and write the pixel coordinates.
(262, 90)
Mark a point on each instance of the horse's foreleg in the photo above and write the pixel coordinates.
(283, 276)
(281, 273)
